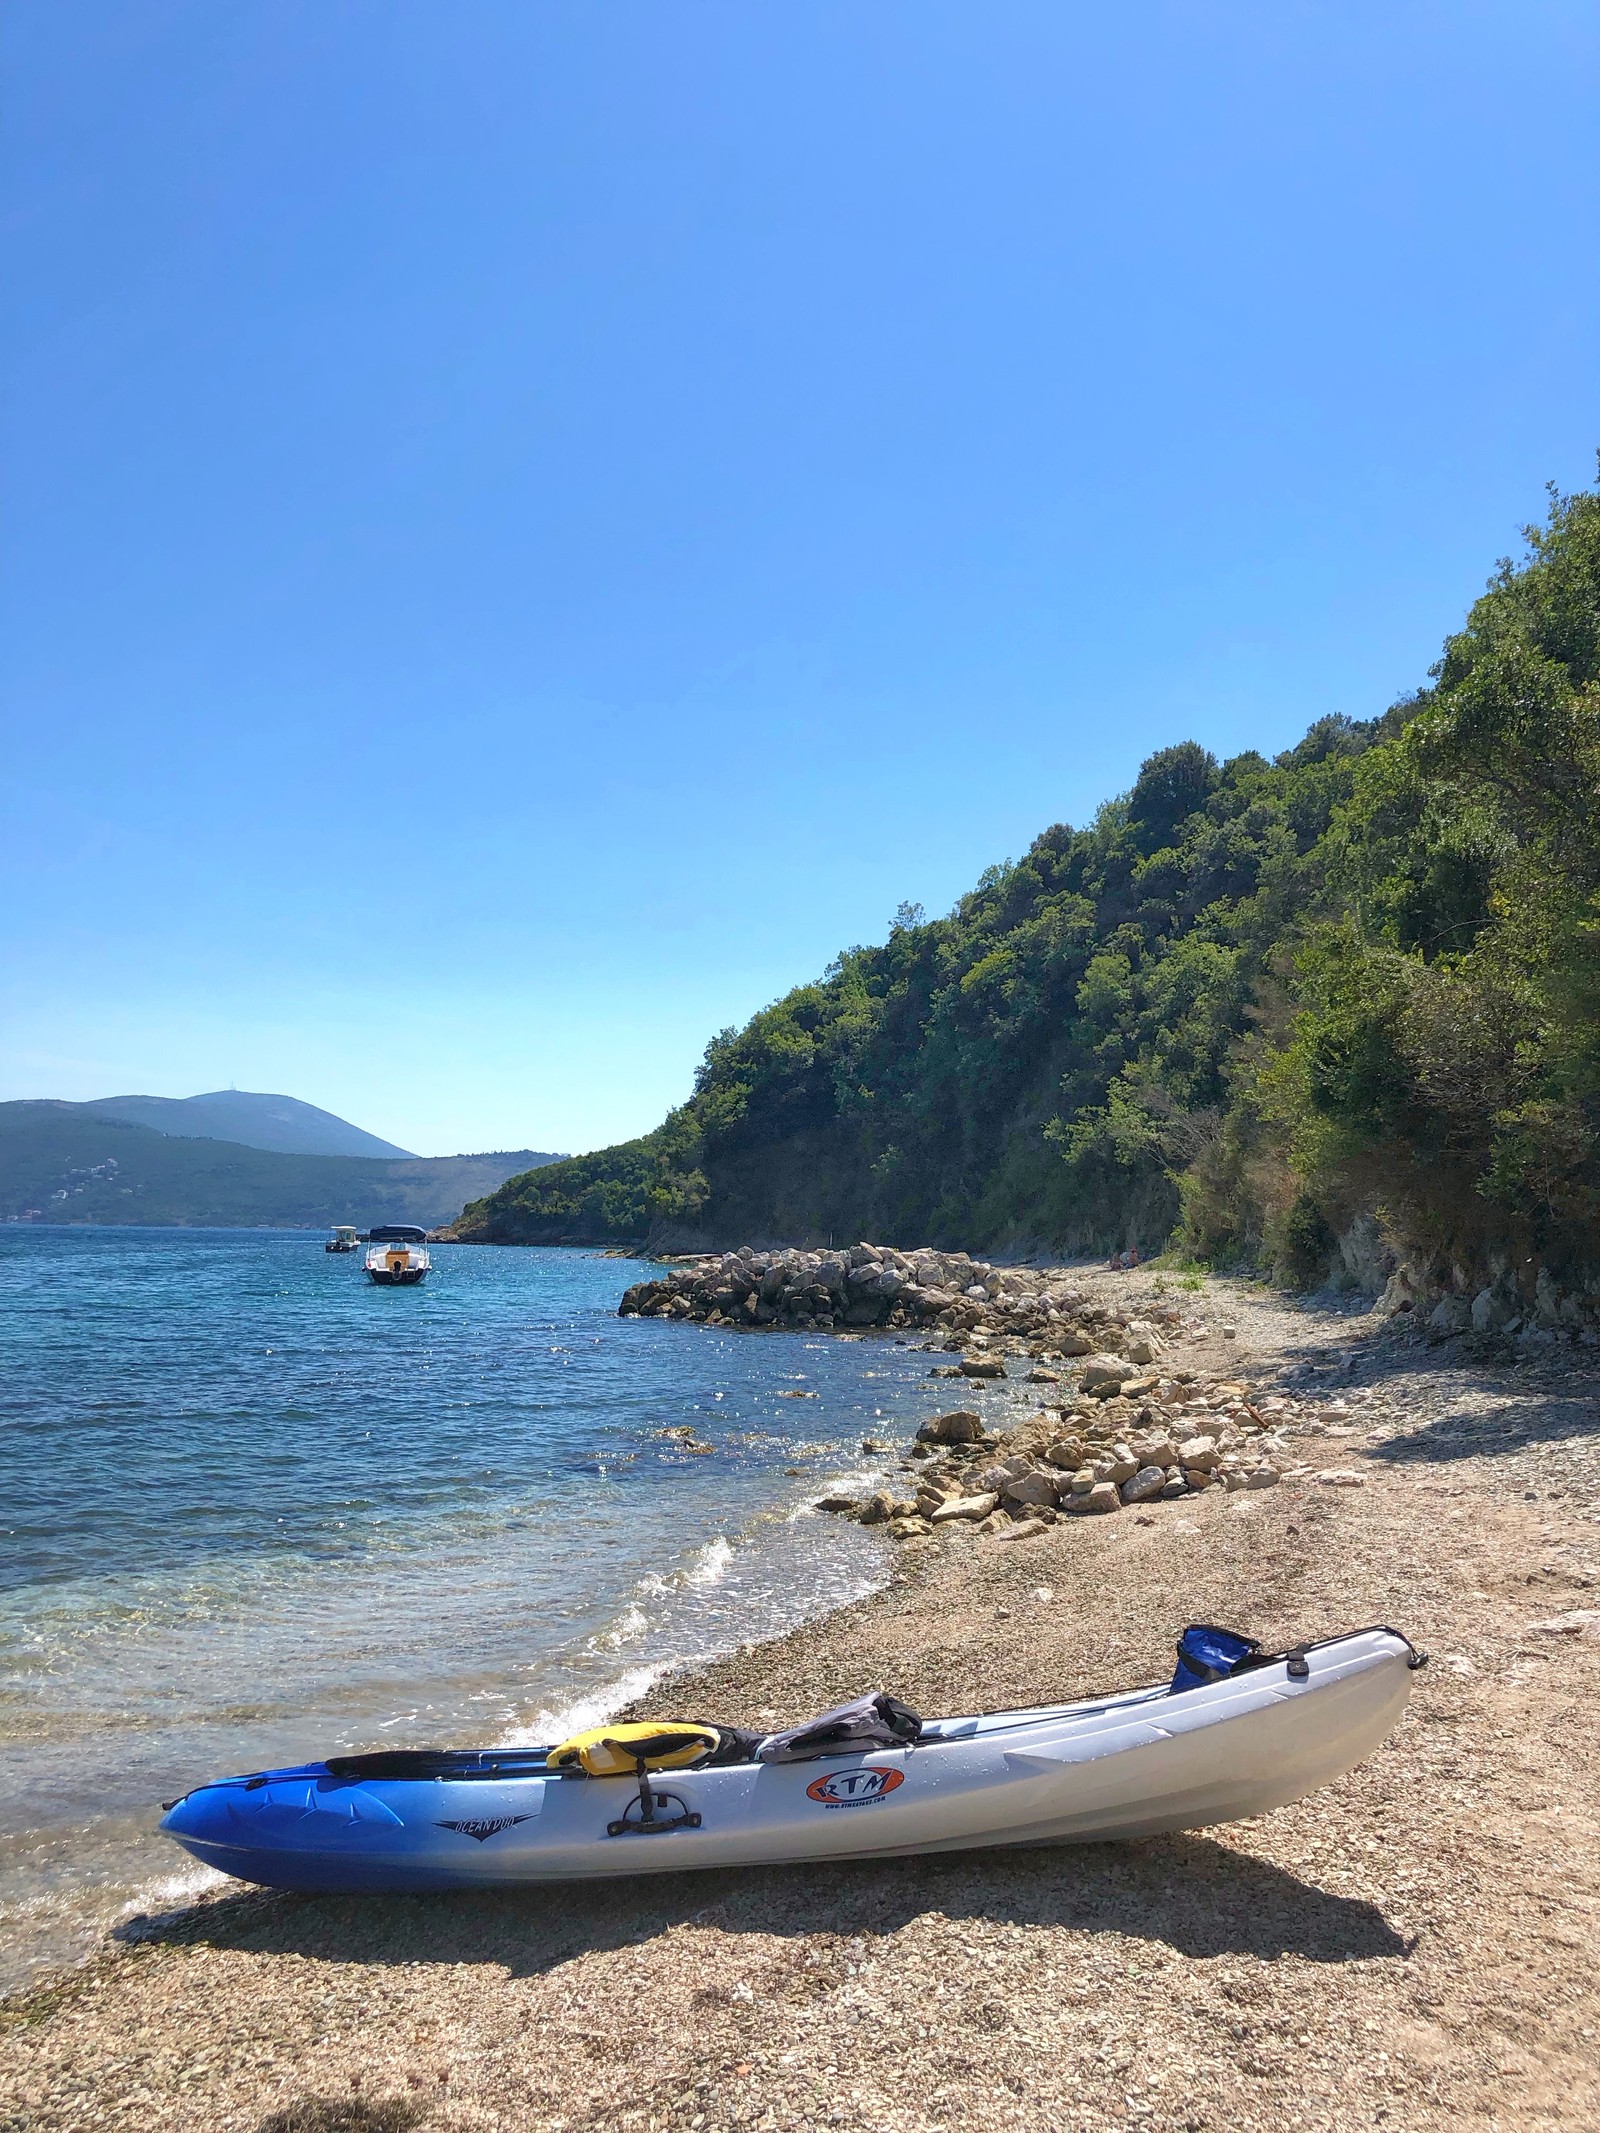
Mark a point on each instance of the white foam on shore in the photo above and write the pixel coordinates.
(711, 1565)
(555, 1722)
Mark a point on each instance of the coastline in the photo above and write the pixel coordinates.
(1413, 1949)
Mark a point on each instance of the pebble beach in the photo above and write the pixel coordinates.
(1413, 1949)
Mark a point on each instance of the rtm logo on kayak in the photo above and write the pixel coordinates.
(855, 1788)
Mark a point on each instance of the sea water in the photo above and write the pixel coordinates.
(255, 1510)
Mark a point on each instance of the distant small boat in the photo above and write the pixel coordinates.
(397, 1255)
(345, 1238)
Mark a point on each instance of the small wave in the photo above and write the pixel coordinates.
(633, 1622)
(555, 1722)
(174, 1891)
(710, 1566)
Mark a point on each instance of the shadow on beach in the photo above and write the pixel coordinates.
(1196, 1896)
(1530, 1410)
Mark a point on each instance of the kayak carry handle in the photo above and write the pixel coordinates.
(650, 1824)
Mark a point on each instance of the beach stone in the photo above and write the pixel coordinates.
(902, 1529)
(1065, 1452)
(1263, 1477)
(1044, 1377)
(982, 1366)
(1582, 1622)
(1145, 1485)
(1104, 1375)
(842, 1505)
(961, 1426)
(1199, 1477)
(966, 1507)
(1031, 1487)
(1117, 1465)
(1022, 1529)
(1142, 1349)
(1342, 1477)
(1198, 1452)
(1172, 1490)
(878, 1510)
(1155, 1451)
(1103, 1496)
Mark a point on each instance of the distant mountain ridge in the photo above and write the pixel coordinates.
(282, 1124)
(62, 1162)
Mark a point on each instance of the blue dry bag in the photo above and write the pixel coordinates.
(1206, 1653)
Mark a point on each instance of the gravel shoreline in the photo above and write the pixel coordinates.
(1414, 1949)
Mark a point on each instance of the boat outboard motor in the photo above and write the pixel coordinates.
(876, 1721)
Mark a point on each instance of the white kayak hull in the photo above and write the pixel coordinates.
(1130, 1766)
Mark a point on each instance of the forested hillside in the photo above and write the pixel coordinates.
(1251, 1005)
(63, 1162)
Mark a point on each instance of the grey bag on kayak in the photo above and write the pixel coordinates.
(877, 1721)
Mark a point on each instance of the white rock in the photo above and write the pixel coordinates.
(1145, 1485)
(1264, 1477)
(1582, 1622)
(966, 1507)
(1198, 1452)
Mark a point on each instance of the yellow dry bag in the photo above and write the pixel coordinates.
(615, 1751)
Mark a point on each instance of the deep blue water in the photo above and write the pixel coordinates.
(253, 1508)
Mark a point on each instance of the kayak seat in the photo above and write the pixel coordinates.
(875, 1721)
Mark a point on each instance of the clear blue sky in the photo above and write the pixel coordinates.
(531, 523)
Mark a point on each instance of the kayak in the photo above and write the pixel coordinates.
(1125, 1766)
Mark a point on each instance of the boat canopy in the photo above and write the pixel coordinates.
(398, 1233)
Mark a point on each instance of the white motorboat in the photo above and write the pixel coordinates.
(1125, 1766)
(397, 1255)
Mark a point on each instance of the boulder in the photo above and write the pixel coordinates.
(1103, 1496)
(965, 1507)
(1495, 1309)
(1033, 1486)
(1065, 1452)
(1104, 1375)
(982, 1366)
(1450, 1315)
(1198, 1452)
(844, 1505)
(961, 1426)
(1155, 1451)
(1147, 1484)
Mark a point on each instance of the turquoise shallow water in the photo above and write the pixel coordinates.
(254, 1509)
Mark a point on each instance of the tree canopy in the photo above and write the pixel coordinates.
(1248, 1002)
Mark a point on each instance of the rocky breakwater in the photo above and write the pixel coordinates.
(1130, 1437)
(863, 1286)
(1123, 1425)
